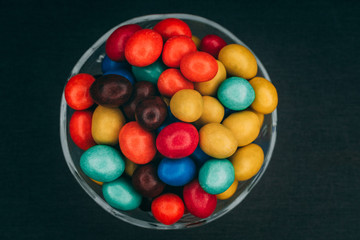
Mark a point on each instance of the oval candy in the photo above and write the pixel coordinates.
(187, 105)
(80, 129)
(176, 172)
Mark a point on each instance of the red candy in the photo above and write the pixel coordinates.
(177, 140)
(137, 144)
(77, 91)
(175, 48)
(212, 44)
(80, 129)
(172, 27)
(115, 44)
(198, 202)
(171, 80)
(198, 66)
(143, 48)
(168, 208)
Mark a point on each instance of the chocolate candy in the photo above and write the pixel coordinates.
(187, 105)
(176, 172)
(122, 72)
(151, 112)
(168, 208)
(146, 181)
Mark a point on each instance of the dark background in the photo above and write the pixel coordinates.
(311, 51)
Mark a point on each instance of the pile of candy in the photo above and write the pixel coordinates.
(173, 112)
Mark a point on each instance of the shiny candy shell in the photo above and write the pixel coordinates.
(187, 105)
(176, 172)
(149, 73)
(168, 208)
(80, 129)
(146, 181)
(266, 97)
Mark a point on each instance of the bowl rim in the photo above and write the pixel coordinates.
(93, 194)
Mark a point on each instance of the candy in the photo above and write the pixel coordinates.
(236, 93)
(151, 112)
(217, 141)
(137, 144)
(198, 202)
(212, 44)
(149, 73)
(247, 161)
(176, 172)
(216, 175)
(146, 181)
(97, 182)
(238, 61)
(259, 115)
(210, 87)
(130, 167)
(171, 27)
(108, 65)
(80, 129)
(102, 163)
(187, 105)
(143, 48)
(213, 111)
(168, 208)
(172, 81)
(177, 140)
(77, 94)
(175, 48)
(106, 125)
(266, 98)
(196, 40)
(244, 126)
(121, 195)
(115, 44)
(111, 90)
(229, 192)
(199, 156)
(198, 66)
(122, 72)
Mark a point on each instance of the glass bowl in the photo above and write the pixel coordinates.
(90, 63)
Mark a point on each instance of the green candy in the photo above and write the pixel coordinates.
(149, 73)
(102, 163)
(216, 175)
(121, 195)
(236, 93)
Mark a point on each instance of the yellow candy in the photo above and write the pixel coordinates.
(213, 111)
(210, 88)
(229, 192)
(106, 125)
(238, 61)
(196, 40)
(217, 141)
(266, 97)
(187, 105)
(259, 115)
(97, 182)
(166, 100)
(244, 125)
(130, 167)
(247, 161)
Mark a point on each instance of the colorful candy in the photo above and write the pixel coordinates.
(212, 44)
(175, 49)
(171, 81)
(146, 181)
(122, 72)
(151, 112)
(198, 66)
(149, 73)
(213, 111)
(176, 172)
(187, 105)
(266, 98)
(77, 91)
(171, 27)
(168, 208)
(109, 65)
(209, 88)
(80, 129)
(229, 192)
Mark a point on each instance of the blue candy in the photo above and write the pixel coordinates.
(176, 172)
(108, 65)
(199, 156)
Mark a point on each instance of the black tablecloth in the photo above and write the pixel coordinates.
(311, 51)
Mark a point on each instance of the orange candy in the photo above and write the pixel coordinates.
(137, 144)
(171, 80)
(198, 66)
(175, 48)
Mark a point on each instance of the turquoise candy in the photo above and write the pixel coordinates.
(121, 195)
(236, 93)
(216, 175)
(149, 73)
(102, 163)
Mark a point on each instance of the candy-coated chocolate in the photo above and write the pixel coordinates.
(143, 48)
(176, 172)
(198, 202)
(106, 125)
(187, 105)
(137, 144)
(238, 61)
(149, 73)
(196, 40)
(213, 111)
(77, 91)
(168, 208)
(172, 81)
(199, 156)
(175, 48)
(259, 115)
(146, 181)
(266, 97)
(244, 126)
(122, 72)
(247, 161)
(177, 140)
(130, 167)
(108, 65)
(198, 66)
(151, 112)
(169, 119)
(212, 44)
(171, 27)
(236, 93)
(216, 175)
(115, 44)
(102, 163)
(229, 192)
(209, 88)
(80, 129)
(217, 141)
(121, 195)
(111, 90)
